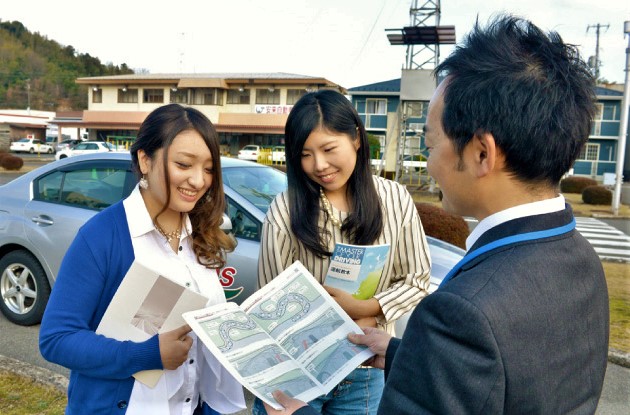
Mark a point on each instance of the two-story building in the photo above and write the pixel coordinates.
(245, 108)
(382, 110)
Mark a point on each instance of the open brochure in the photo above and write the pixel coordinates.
(148, 302)
(289, 335)
(357, 269)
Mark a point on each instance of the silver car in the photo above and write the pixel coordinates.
(41, 212)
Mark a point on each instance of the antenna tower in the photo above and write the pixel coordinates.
(423, 38)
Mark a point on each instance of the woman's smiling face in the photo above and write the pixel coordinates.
(329, 159)
(190, 170)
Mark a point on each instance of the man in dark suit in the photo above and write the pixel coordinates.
(520, 325)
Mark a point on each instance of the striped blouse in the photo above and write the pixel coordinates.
(405, 278)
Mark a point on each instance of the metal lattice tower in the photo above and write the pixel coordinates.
(423, 38)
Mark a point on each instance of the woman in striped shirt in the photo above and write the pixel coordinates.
(333, 197)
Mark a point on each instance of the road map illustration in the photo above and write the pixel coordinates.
(291, 335)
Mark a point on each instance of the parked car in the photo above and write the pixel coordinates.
(65, 144)
(277, 154)
(249, 152)
(85, 147)
(31, 145)
(42, 211)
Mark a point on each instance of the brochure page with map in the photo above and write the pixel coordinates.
(289, 335)
(357, 269)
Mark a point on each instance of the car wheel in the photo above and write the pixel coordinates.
(31, 150)
(24, 288)
(63, 156)
(50, 151)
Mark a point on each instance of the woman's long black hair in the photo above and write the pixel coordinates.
(331, 111)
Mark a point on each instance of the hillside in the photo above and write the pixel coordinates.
(31, 64)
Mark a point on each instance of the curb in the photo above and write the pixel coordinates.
(619, 358)
(49, 378)
(36, 374)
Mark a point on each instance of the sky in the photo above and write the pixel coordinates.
(344, 41)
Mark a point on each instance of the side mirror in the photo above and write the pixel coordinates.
(226, 225)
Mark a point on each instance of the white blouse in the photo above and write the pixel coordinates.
(178, 391)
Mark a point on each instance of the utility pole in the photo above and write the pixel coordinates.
(623, 125)
(595, 65)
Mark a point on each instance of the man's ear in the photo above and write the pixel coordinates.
(485, 153)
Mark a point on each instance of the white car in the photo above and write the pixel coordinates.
(31, 145)
(277, 155)
(249, 152)
(86, 147)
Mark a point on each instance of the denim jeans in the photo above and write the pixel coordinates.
(358, 394)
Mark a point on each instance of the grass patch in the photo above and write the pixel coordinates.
(20, 395)
(617, 277)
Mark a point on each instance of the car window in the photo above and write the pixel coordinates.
(91, 188)
(243, 225)
(81, 146)
(259, 185)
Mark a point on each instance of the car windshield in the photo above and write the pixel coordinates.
(259, 185)
(23, 140)
(109, 145)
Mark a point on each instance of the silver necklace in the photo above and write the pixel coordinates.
(328, 208)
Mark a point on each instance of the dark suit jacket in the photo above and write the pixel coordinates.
(522, 329)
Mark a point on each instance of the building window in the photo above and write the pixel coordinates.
(376, 106)
(179, 96)
(293, 95)
(205, 96)
(417, 109)
(234, 96)
(589, 152)
(153, 95)
(265, 96)
(97, 96)
(127, 96)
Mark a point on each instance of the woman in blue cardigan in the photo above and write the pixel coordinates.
(170, 221)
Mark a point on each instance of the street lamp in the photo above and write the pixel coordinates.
(623, 126)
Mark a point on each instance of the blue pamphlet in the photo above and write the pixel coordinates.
(357, 269)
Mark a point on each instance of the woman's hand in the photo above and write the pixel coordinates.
(356, 309)
(174, 347)
(366, 322)
(290, 405)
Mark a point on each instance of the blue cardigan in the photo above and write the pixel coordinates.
(101, 368)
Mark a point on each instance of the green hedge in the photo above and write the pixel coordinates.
(576, 184)
(11, 162)
(443, 225)
(597, 195)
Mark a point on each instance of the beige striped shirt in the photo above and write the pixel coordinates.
(405, 278)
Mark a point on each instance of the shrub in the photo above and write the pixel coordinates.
(574, 184)
(11, 162)
(597, 195)
(440, 224)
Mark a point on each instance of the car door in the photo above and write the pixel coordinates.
(64, 199)
(84, 148)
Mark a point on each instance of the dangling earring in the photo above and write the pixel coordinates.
(144, 184)
(208, 197)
